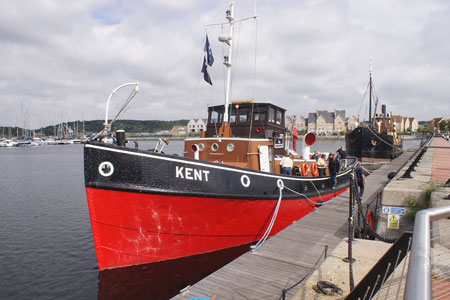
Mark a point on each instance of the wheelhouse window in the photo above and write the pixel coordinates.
(260, 114)
(271, 115)
(233, 115)
(216, 116)
(244, 114)
(279, 117)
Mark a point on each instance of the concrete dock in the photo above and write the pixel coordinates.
(288, 257)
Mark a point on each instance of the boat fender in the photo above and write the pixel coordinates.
(391, 175)
(314, 169)
(370, 219)
(305, 169)
(329, 288)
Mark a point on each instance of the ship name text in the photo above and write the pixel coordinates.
(191, 174)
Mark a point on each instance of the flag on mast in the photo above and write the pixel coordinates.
(208, 60)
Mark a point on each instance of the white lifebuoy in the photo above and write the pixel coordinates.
(106, 169)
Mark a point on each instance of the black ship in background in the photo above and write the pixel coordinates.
(375, 140)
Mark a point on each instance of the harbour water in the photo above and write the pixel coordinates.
(46, 245)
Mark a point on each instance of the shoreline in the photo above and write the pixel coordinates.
(319, 137)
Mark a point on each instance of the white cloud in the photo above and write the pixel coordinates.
(65, 58)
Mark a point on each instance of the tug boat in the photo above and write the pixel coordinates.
(224, 195)
(377, 140)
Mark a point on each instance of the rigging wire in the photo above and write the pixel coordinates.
(362, 101)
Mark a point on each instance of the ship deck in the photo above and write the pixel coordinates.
(287, 257)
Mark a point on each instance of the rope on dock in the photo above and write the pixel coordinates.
(323, 255)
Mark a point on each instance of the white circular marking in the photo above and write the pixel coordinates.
(106, 169)
(280, 184)
(245, 180)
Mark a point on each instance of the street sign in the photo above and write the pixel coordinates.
(393, 221)
(390, 210)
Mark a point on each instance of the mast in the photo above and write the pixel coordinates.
(370, 95)
(225, 129)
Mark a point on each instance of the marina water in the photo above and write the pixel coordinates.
(46, 245)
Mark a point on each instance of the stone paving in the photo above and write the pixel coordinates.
(441, 161)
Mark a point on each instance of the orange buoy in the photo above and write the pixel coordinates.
(305, 169)
(370, 219)
(314, 169)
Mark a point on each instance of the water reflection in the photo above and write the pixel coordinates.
(162, 280)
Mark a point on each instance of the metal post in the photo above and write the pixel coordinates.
(418, 280)
(350, 259)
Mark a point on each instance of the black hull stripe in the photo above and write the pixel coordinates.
(215, 166)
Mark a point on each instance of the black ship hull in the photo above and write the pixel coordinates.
(364, 143)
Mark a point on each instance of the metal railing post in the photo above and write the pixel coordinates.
(418, 279)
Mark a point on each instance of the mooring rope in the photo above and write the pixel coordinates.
(398, 148)
(258, 245)
(281, 187)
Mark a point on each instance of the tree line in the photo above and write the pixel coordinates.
(94, 126)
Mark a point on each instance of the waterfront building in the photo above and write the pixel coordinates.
(197, 125)
(324, 123)
(352, 123)
(178, 130)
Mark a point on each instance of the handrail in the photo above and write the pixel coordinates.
(418, 280)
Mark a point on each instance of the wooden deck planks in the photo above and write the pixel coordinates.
(287, 257)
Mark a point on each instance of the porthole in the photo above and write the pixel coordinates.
(201, 147)
(230, 147)
(245, 180)
(215, 147)
(106, 169)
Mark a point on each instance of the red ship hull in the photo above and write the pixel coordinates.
(132, 228)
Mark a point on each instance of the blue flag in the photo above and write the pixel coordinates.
(209, 56)
(208, 60)
(205, 72)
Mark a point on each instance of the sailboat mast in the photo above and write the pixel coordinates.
(370, 95)
(227, 62)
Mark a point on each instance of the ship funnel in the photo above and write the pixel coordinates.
(308, 140)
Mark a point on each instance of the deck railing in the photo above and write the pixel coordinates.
(429, 265)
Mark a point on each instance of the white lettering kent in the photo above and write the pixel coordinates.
(191, 173)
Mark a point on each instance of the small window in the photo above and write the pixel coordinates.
(216, 117)
(260, 114)
(279, 117)
(244, 114)
(271, 115)
(233, 115)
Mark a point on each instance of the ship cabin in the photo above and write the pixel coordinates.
(256, 134)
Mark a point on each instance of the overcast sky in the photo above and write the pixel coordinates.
(61, 59)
